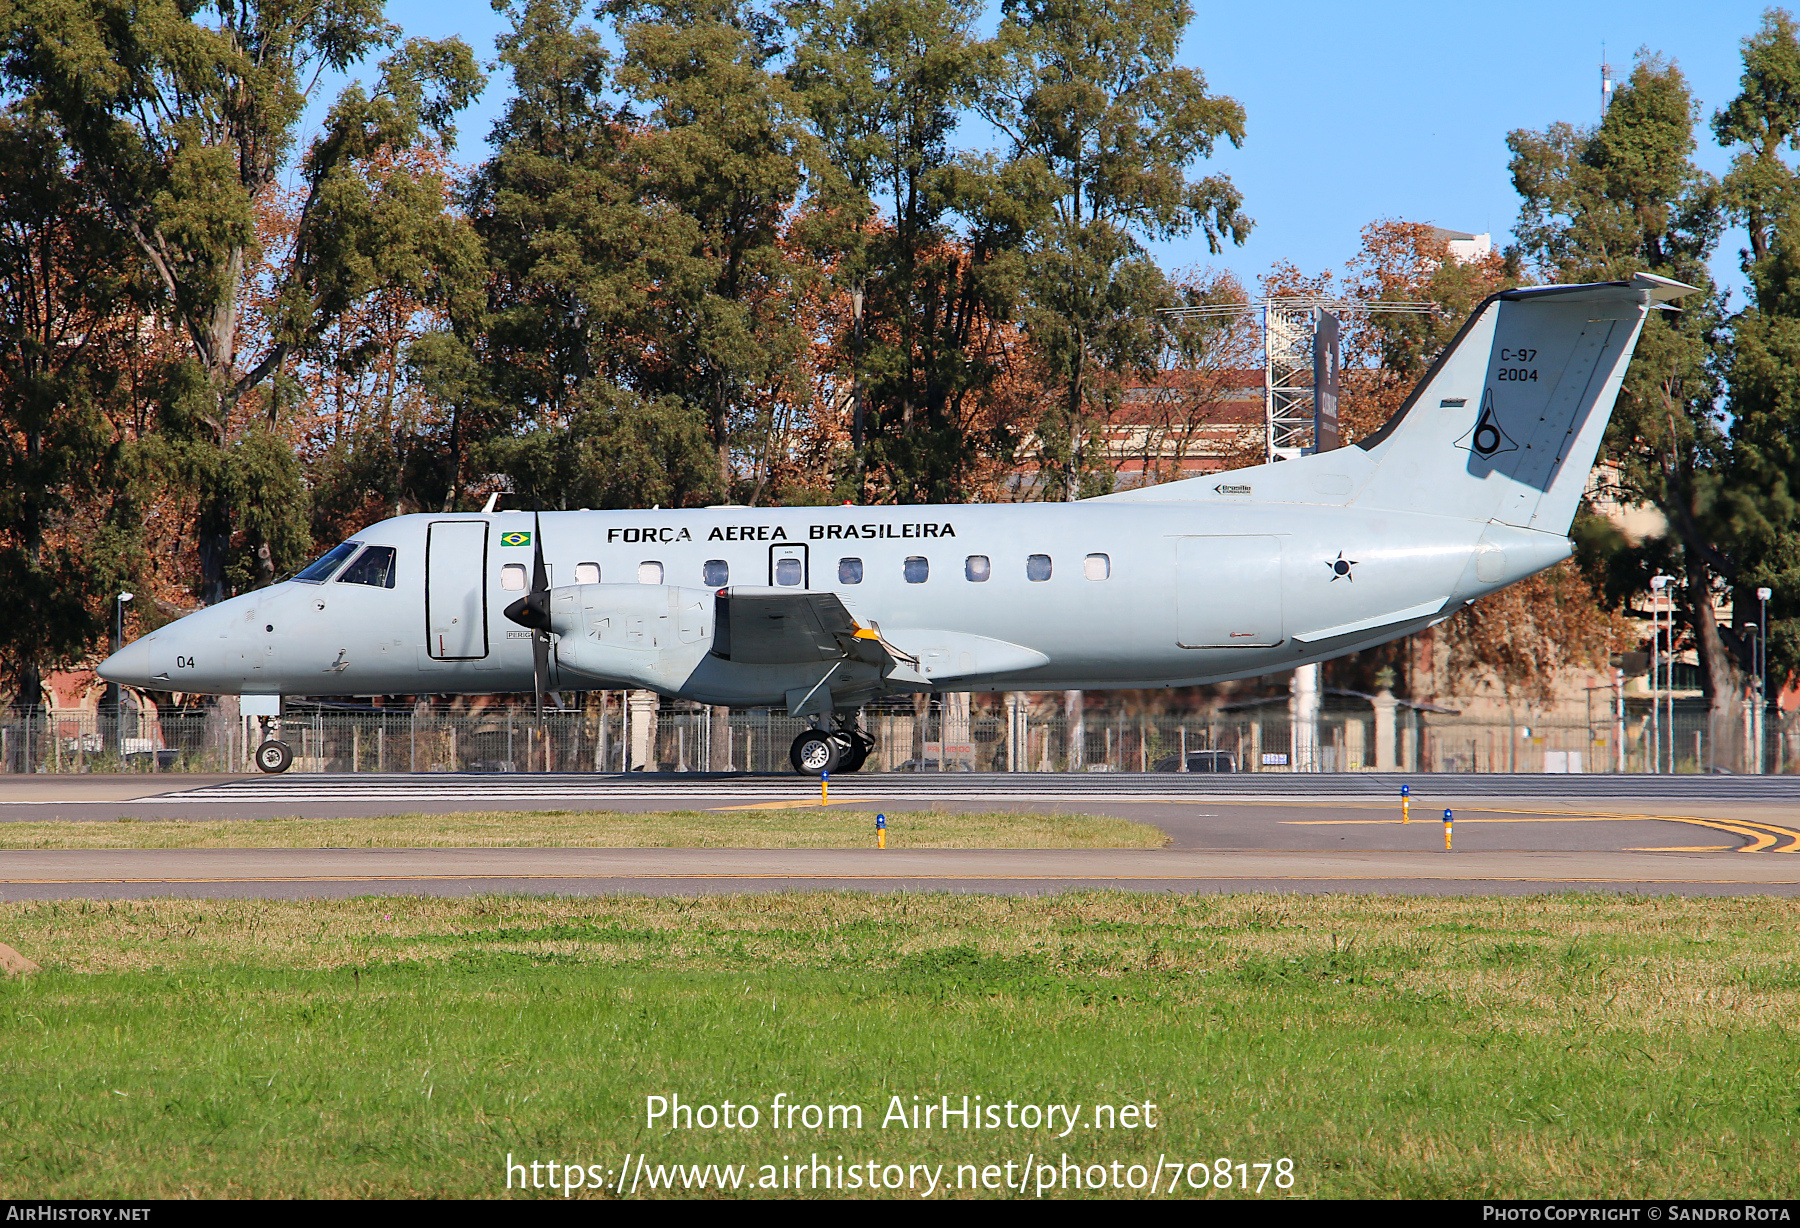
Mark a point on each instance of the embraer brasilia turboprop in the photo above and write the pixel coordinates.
(1471, 487)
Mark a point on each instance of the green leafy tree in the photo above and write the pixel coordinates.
(183, 117)
(69, 314)
(1758, 510)
(552, 360)
(925, 240)
(1602, 204)
(1088, 94)
(639, 293)
(723, 145)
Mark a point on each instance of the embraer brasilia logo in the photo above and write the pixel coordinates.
(1487, 438)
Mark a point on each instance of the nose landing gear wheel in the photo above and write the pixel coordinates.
(815, 753)
(274, 757)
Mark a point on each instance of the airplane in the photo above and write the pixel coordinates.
(1471, 486)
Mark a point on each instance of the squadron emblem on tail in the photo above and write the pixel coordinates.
(1486, 438)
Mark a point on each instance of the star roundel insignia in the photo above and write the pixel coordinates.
(1340, 568)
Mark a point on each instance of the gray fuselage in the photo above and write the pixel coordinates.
(1174, 594)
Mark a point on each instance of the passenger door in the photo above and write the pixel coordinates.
(456, 590)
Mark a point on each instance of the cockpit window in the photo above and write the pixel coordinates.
(374, 567)
(320, 569)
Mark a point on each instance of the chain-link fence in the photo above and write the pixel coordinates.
(1005, 739)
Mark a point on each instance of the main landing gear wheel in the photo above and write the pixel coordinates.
(274, 757)
(853, 750)
(815, 752)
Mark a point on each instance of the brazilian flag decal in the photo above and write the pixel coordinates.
(515, 539)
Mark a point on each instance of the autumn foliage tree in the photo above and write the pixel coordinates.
(183, 118)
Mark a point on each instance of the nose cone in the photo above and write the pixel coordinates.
(130, 665)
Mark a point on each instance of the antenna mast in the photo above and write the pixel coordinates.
(1606, 82)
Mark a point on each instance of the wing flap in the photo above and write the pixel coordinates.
(772, 626)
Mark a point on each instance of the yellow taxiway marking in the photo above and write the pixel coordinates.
(802, 804)
(1762, 836)
(1545, 817)
(898, 877)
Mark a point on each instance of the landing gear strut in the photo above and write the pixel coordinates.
(856, 747)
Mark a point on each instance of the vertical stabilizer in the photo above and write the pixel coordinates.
(1504, 427)
(1508, 421)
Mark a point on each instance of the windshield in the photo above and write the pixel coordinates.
(320, 569)
(374, 567)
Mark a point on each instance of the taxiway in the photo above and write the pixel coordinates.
(1513, 835)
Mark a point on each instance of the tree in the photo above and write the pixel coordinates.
(1758, 509)
(181, 126)
(555, 333)
(1602, 204)
(923, 241)
(1385, 354)
(370, 439)
(69, 317)
(723, 146)
(1088, 93)
(639, 294)
(1195, 404)
(1528, 635)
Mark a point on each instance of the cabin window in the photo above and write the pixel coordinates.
(650, 572)
(512, 577)
(587, 573)
(319, 571)
(849, 571)
(918, 569)
(715, 573)
(1096, 567)
(374, 567)
(789, 572)
(1037, 568)
(977, 568)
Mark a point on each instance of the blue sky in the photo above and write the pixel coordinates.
(1377, 110)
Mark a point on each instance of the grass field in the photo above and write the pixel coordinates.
(799, 828)
(1565, 1046)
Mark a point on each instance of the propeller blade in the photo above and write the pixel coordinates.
(532, 611)
(540, 632)
(540, 575)
(540, 668)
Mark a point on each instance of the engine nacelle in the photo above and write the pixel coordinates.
(651, 636)
(661, 638)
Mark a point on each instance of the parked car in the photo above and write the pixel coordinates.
(932, 765)
(1199, 761)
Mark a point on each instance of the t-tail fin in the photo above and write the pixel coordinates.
(1505, 426)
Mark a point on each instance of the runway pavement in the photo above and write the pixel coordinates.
(1513, 835)
(325, 795)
